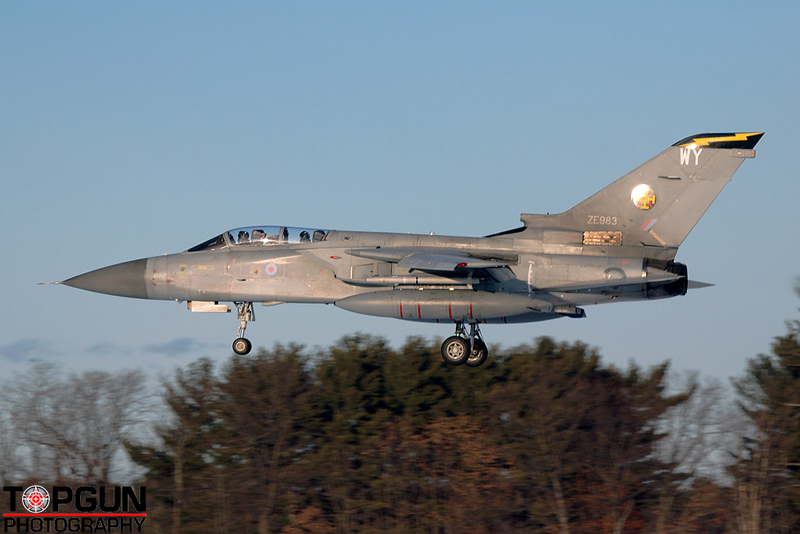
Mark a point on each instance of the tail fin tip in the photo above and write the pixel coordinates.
(745, 141)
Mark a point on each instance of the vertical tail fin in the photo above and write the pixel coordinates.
(658, 203)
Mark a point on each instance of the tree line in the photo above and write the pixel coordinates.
(361, 437)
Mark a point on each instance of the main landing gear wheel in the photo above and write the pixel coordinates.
(478, 355)
(462, 348)
(241, 345)
(455, 350)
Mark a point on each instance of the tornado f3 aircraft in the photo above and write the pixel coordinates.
(617, 245)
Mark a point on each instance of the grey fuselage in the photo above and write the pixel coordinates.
(617, 245)
(335, 271)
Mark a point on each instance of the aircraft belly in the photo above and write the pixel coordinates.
(314, 284)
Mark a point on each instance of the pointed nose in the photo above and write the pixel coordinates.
(124, 280)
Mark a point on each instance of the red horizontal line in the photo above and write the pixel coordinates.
(74, 515)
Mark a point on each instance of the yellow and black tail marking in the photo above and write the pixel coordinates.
(722, 140)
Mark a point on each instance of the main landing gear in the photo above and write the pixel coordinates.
(462, 348)
(242, 345)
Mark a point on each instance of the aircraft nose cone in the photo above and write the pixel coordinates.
(124, 280)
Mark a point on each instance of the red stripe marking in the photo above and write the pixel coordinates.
(645, 225)
(75, 515)
(401, 310)
(450, 310)
(419, 310)
(505, 320)
(470, 311)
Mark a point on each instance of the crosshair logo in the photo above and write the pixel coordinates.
(35, 499)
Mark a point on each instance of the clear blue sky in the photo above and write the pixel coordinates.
(133, 129)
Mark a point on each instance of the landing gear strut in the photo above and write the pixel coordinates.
(462, 348)
(242, 345)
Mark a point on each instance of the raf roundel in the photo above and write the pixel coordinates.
(271, 269)
(643, 197)
(35, 499)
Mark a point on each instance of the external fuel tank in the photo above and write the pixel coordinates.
(442, 305)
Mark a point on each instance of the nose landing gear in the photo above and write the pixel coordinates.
(242, 345)
(462, 348)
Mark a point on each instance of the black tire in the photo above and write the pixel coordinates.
(242, 346)
(455, 350)
(479, 354)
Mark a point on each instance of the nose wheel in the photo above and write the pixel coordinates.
(467, 349)
(242, 345)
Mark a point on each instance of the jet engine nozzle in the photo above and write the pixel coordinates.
(670, 289)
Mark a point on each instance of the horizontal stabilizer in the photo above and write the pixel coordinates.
(694, 284)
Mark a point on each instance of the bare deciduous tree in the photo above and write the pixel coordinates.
(694, 447)
(73, 426)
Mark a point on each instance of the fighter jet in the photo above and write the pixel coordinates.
(617, 245)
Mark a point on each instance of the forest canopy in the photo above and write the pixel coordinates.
(361, 437)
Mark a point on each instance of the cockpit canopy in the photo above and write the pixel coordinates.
(262, 236)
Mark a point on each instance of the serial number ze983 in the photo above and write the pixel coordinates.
(606, 220)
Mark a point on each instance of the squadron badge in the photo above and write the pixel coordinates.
(643, 197)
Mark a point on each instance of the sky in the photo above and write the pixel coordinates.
(135, 129)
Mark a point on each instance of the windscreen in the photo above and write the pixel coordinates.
(212, 244)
